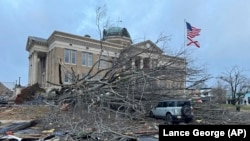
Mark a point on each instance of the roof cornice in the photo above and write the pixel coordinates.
(80, 40)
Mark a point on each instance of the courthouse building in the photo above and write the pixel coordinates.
(81, 52)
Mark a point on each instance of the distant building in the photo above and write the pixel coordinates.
(246, 99)
(9, 85)
(203, 94)
(5, 89)
(81, 52)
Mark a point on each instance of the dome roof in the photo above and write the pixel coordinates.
(115, 31)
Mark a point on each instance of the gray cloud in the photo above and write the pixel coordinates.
(224, 36)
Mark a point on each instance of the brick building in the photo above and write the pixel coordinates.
(81, 52)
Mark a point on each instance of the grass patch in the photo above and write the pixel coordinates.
(233, 107)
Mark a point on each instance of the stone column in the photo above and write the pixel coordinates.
(133, 63)
(46, 70)
(39, 71)
(141, 63)
(150, 63)
(30, 69)
(35, 68)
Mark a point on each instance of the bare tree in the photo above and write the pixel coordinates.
(219, 92)
(236, 81)
(128, 86)
(125, 89)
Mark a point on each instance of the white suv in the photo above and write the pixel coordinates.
(173, 111)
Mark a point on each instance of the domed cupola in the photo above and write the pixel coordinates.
(117, 35)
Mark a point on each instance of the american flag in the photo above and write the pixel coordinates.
(191, 33)
(194, 32)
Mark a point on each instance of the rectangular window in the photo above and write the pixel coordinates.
(103, 63)
(70, 56)
(87, 59)
(165, 104)
(66, 77)
(69, 78)
(73, 56)
(171, 104)
(90, 56)
(66, 56)
(160, 104)
(84, 59)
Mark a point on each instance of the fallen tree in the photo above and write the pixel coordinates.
(124, 91)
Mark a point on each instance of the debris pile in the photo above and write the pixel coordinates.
(210, 113)
(31, 130)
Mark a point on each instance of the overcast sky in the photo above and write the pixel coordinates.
(224, 24)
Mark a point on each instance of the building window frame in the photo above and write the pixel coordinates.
(90, 59)
(70, 56)
(69, 78)
(67, 56)
(66, 78)
(73, 57)
(104, 63)
(87, 59)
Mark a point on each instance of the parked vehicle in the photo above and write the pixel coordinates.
(173, 111)
(3, 101)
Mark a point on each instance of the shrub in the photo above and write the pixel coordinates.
(28, 93)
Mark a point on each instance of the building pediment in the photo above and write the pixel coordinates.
(35, 41)
(148, 45)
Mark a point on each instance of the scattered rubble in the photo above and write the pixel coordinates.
(41, 123)
(27, 127)
(23, 123)
(210, 113)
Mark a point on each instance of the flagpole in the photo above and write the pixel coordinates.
(189, 33)
(184, 54)
(184, 35)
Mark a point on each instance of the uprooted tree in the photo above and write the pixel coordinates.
(127, 85)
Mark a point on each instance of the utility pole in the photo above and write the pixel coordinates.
(19, 82)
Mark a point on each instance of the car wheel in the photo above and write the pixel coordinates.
(186, 110)
(151, 114)
(169, 118)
